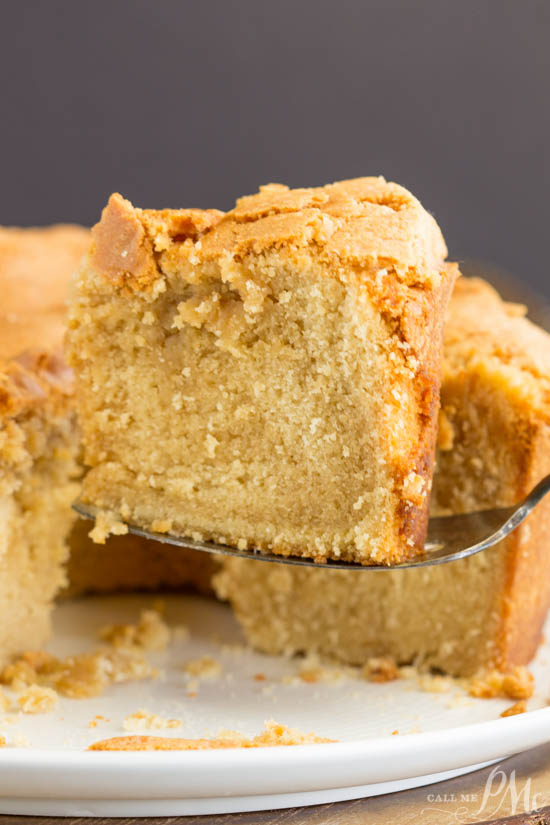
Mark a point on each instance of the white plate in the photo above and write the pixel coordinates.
(440, 734)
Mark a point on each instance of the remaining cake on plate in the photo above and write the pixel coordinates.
(40, 453)
(267, 378)
(39, 443)
(494, 445)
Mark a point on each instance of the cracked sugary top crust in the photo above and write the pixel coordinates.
(35, 268)
(364, 223)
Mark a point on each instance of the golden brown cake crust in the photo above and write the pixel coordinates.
(365, 222)
(123, 249)
(414, 514)
(526, 599)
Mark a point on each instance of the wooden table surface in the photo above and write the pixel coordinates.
(515, 791)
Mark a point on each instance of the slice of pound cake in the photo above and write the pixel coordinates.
(268, 378)
(39, 443)
(494, 445)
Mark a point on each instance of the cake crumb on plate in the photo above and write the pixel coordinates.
(37, 699)
(381, 669)
(150, 633)
(513, 710)
(518, 683)
(143, 719)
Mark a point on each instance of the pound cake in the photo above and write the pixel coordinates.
(494, 445)
(267, 378)
(39, 443)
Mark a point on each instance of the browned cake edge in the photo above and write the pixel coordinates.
(413, 517)
(526, 599)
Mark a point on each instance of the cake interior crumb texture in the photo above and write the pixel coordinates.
(494, 445)
(267, 378)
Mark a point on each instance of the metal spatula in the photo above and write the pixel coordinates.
(449, 537)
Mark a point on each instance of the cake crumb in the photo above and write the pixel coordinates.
(513, 710)
(78, 677)
(37, 699)
(143, 719)
(23, 671)
(150, 633)
(383, 669)
(107, 524)
(204, 667)
(260, 677)
(2, 742)
(518, 683)
(90, 674)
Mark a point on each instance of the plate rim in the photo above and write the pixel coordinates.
(278, 769)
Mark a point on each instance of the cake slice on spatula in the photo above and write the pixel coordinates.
(267, 378)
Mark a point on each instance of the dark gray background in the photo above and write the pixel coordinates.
(178, 103)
